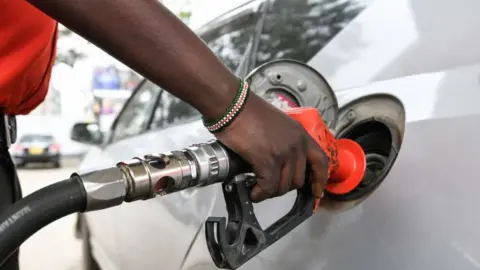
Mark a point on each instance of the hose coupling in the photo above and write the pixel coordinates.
(198, 165)
(143, 178)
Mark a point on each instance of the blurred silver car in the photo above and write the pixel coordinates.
(36, 148)
(406, 81)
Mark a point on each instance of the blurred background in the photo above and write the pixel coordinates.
(86, 85)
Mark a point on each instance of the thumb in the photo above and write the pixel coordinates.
(258, 194)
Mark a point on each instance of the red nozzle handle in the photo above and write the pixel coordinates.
(347, 162)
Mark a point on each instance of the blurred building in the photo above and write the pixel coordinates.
(51, 105)
(85, 74)
(87, 83)
(64, 97)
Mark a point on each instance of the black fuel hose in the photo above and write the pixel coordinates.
(37, 210)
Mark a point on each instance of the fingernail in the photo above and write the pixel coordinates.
(315, 207)
(318, 188)
(257, 194)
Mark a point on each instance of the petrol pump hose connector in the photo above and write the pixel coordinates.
(143, 178)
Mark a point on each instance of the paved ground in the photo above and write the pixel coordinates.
(54, 247)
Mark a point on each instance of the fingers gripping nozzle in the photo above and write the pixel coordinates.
(347, 163)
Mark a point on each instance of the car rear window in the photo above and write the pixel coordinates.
(300, 29)
(36, 138)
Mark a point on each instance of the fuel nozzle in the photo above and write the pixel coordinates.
(230, 242)
(242, 232)
(347, 163)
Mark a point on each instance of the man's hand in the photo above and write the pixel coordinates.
(279, 149)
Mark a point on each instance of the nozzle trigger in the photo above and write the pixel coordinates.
(234, 242)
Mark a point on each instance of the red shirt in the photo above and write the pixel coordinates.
(27, 52)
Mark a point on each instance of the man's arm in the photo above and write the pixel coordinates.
(147, 37)
(144, 35)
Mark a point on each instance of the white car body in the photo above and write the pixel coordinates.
(412, 63)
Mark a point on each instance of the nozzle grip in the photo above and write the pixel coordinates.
(242, 237)
(236, 164)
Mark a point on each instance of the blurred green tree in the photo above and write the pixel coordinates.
(185, 16)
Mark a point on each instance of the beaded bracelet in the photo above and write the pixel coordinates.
(232, 112)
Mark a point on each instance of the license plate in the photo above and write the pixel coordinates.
(36, 151)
